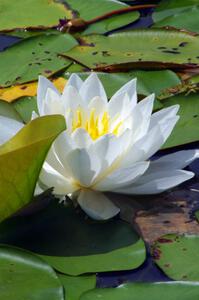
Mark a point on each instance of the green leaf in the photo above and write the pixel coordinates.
(7, 110)
(148, 82)
(150, 291)
(187, 19)
(197, 215)
(170, 7)
(178, 256)
(75, 286)
(186, 129)
(31, 13)
(74, 244)
(112, 23)
(24, 61)
(25, 276)
(151, 48)
(21, 159)
(90, 9)
(25, 106)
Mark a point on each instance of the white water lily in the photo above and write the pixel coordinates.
(107, 145)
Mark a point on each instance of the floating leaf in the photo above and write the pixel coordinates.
(151, 291)
(31, 13)
(7, 110)
(178, 256)
(186, 129)
(148, 82)
(21, 159)
(112, 23)
(24, 61)
(170, 7)
(188, 19)
(29, 89)
(75, 245)
(126, 50)
(75, 286)
(25, 276)
(25, 107)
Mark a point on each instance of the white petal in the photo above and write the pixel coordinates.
(98, 104)
(9, 128)
(34, 115)
(164, 114)
(43, 85)
(50, 178)
(97, 205)
(158, 182)
(52, 103)
(177, 160)
(70, 98)
(141, 117)
(81, 138)
(122, 177)
(91, 88)
(83, 166)
(156, 137)
(38, 190)
(115, 102)
(75, 81)
(54, 162)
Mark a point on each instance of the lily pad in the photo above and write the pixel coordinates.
(186, 129)
(75, 286)
(74, 245)
(148, 82)
(25, 106)
(31, 13)
(29, 89)
(178, 256)
(170, 7)
(21, 159)
(26, 276)
(150, 291)
(188, 19)
(7, 110)
(24, 61)
(165, 48)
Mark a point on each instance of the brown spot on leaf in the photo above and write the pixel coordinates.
(164, 241)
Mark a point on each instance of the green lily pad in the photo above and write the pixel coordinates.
(170, 7)
(25, 106)
(178, 256)
(150, 291)
(148, 82)
(21, 159)
(188, 19)
(75, 286)
(7, 110)
(24, 61)
(26, 276)
(197, 215)
(126, 50)
(31, 13)
(186, 129)
(74, 245)
(111, 23)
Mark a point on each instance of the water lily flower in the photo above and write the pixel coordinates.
(107, 145)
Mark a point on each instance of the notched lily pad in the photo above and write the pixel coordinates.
(74, 245)
(37, 55)
(151, 291)
(124, 51)
(24, 275)
(178, 256)
(31, 13)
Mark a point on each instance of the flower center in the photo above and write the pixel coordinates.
(95, 125)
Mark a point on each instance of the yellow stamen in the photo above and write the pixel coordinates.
(94, 125)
